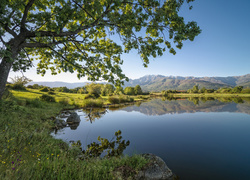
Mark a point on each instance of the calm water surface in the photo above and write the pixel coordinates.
(197, 140)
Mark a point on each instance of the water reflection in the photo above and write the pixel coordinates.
(191, 105)
(94, 114)
(201, 145)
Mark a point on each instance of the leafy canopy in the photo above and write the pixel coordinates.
(89, 36)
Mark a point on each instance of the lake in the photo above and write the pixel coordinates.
(197, 138)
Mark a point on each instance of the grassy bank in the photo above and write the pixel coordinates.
(29, 152)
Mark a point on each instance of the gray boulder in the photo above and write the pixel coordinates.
(73, 118)
(60, 123)
(156, 169)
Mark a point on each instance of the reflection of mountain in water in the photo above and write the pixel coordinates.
(159, 107)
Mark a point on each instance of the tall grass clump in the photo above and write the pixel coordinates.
(92, 103)
(114, 99)
(124, 99)
(120, 99)
(35, 103)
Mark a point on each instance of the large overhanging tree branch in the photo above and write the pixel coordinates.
(88, 36)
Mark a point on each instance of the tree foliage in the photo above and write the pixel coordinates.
(129, 90)
(18, 82)
(88, 36)
(94, 89)
(138, 90)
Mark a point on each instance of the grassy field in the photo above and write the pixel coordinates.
(27, 151)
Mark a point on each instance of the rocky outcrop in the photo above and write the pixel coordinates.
(60, 123)
(73, 118)
(156, 169)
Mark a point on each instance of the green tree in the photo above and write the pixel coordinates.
(94, 89)
(119, 90)
(138, 90)
(237, 89)
(195, 89)
(129, 90)
(107, 89)
(78, 35)
(202, 90)
(19, 82)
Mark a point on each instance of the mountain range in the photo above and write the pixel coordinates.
(160, 82)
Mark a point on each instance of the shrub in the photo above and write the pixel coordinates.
(51, 93)
(92, 103)
(124, 99)
(89, 96)
(44, 89)
(246, 91)
(19, 82)
(17, 87)
(47, 98)
(114, 100)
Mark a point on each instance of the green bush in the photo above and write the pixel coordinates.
(51, 93)
(114, 100)
(44, 89)
(124, 99)
(47, 98)
(246, 91)
(89, 96)
(17, 87)
(92, 103)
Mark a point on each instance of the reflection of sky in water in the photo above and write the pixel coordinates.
(201, 145)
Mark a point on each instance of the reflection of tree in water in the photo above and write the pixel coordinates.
(94, 114)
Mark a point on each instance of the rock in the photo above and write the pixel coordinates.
(60, 123)
(156, 169)
(64, 114)
(73, 126)
(73, 118)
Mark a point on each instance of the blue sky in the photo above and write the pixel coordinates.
(222, 49)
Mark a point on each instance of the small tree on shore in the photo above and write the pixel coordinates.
(19, 82)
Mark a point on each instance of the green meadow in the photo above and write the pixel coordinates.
(28, 151)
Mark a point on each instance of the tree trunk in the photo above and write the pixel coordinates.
(5, 67)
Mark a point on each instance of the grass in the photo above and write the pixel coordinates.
(27, 151)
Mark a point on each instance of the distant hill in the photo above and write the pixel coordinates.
(59, 84)
(159, 82)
